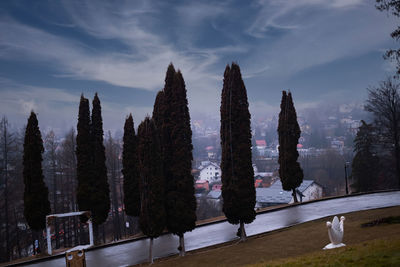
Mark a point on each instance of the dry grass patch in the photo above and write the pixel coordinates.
(378, 252)
(290, 242)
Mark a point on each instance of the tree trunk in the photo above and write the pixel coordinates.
(294, 196)
(151, 251)
(41, 242)
(182, 245)
(124, 219)
(96, 234)
(17, 233)
(5, 164)
(243, 235)
(56, 228)
(397, 156)
(104, 233)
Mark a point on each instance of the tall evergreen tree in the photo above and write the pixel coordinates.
(159, 109)
(36, 203)
(290, 172)
(238, 190)
(177, 158)
(152, 210)
(100, 198)
(84, 157)
(365, 165)
(130, 169)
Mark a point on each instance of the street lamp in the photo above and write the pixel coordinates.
(345, 176)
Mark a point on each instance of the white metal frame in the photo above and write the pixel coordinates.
(69, 214)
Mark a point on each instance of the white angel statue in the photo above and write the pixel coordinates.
(335, 233)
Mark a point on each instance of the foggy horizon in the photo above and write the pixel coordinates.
(52, 52)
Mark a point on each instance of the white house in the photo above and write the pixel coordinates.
(275, 195)
(211, 173)
(310, 190)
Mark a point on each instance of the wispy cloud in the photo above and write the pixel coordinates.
(54, 106)
(130, 44)
(282, 14)
(332, 31)
(141, 66)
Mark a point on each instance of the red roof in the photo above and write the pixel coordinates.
(209, 148)
(261, 143)
(299, 146)
(257, 183)
(202, 184)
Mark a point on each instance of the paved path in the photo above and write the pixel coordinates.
(137, 251)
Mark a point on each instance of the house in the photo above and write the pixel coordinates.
(275, 195)
(202, 184)
(211, 173)
(258, 183)
(261, 147)
(309, 189)
(214, 198)
(210, 152)
(263, 181)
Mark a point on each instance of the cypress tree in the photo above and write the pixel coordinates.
(238, 190)
(177, 158)
(164, 110)
(100, 198)
(159, 110)
(152, 211)
(84, 158)
(290, 172)
(36, 203)
(130, 170)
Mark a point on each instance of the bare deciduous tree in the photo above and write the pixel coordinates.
(384, 103)
(5, 141)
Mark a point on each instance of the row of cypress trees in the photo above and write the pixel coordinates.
(160, 187)
(238, 190)
(93, 189)
(158, 184)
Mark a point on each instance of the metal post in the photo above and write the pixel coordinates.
(91, 232)
(345, 177)
(48, 237)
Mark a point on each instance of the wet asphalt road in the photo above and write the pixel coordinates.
(137, 251)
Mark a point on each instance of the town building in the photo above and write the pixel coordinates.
(275, 195)
(210, 172)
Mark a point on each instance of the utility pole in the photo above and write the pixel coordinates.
(345, 176)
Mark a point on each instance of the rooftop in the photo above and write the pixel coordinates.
(275, 193)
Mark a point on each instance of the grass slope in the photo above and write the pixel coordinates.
(378, 252)
(299, 240)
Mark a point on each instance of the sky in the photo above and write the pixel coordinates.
(53, 51)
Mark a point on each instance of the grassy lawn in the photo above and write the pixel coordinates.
(378, 252)
(378, 245)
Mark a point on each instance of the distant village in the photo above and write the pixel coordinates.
(333, 132)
